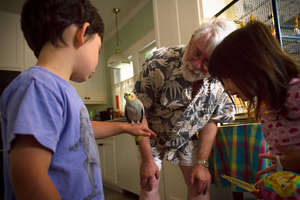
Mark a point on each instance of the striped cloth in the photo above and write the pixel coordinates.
(235, 153)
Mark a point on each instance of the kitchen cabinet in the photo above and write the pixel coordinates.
(120, 164)
(175, 187)
(107, 153)
(16, 55)
(128, 166)
(176, 20)
(125, 154)
(93, 91)
(11, 40)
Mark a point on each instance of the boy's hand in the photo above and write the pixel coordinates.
(140, 130)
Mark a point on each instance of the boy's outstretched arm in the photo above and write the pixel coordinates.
(29, 164)
(107, 129)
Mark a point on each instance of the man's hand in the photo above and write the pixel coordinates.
(200, 179)
(149, 174)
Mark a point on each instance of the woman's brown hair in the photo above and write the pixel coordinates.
(254, 61)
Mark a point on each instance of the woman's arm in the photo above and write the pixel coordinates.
(289, 160)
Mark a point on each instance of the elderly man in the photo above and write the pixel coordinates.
(183, 106)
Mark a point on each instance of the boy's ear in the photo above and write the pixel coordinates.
(80, 34)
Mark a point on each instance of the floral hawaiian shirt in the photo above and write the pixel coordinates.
(171, 110)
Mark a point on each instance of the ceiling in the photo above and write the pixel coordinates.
(128, 9)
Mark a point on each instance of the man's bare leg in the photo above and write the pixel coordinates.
(192, 193)
(153, 194)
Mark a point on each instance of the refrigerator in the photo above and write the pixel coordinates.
(5, 78)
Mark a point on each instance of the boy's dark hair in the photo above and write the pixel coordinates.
(45, 20)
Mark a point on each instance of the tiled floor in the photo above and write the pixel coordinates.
(110, 194)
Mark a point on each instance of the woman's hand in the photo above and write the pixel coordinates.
(290, 158)
(275, 166)
(257, 185)
(287, 161)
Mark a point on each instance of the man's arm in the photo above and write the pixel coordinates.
(107, 129)
(207, 138)
(29, 164)
(149, 170)
(145, 149)
(200, 174)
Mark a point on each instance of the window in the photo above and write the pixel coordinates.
(124, 73)
(125, 78)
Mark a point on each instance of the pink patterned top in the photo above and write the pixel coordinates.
(278, 129)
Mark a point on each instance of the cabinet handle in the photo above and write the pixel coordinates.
(100, 144)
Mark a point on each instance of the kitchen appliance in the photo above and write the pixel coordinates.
(5, 78)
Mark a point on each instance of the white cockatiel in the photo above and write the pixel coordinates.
(134, 108)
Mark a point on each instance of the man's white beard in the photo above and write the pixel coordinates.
(190, 74)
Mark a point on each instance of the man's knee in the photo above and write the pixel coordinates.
(193, 194)
(150, 194)
(151, 187)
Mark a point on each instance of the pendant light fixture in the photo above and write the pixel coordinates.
(118, 60)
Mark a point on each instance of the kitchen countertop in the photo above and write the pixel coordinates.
(120, 119)
(234, 123)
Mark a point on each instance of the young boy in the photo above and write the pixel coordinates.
(50, 150)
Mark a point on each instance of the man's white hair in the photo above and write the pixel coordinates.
(210, 33)
(214, 31)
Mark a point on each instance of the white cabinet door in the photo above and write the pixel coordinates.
(97, 87)
(175, 187)
(11, 48)
(211, 7)
(107, 154)
(176, 20)
(128, 166)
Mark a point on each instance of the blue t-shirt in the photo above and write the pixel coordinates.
(41, 104)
